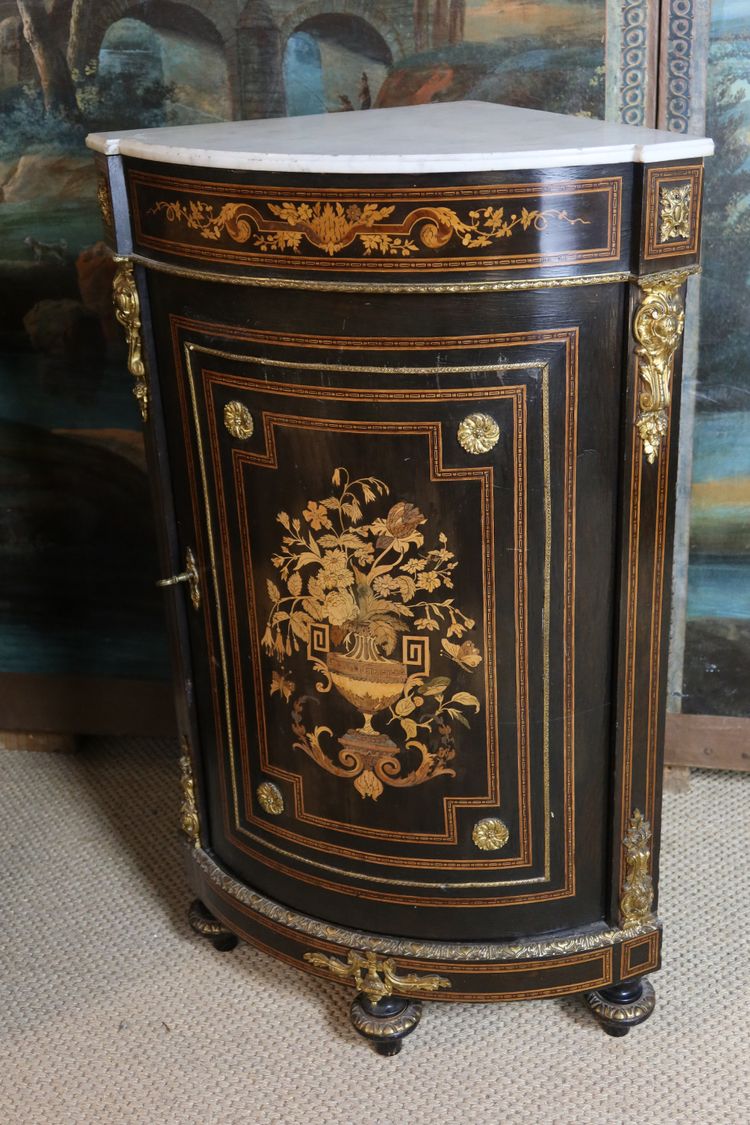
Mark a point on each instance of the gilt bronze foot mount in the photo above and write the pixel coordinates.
(203, 922)
(387, 1022)
(622, 1006)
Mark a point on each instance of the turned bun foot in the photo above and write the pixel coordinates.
(622, 1006)
(385, 1023)
(203, 922)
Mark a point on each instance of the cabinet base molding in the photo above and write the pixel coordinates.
(578, 961)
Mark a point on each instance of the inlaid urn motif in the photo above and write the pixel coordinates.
(367, 602)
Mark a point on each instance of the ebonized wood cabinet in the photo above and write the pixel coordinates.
(409, 381)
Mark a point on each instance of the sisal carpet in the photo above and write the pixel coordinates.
(112, 1011)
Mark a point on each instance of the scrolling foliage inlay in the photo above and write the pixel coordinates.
(332, 226)
(352, 593)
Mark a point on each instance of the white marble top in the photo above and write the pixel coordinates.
(441, 137)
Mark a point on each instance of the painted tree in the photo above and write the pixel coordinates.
(724, 370)
(58, 88)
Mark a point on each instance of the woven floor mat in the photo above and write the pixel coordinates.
(113, 1011)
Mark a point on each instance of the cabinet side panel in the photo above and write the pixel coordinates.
(649, 465)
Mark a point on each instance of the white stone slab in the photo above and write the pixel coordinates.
(444, 137)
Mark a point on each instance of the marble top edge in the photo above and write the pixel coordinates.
(439, 137)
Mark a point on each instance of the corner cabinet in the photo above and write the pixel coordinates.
(410, 403)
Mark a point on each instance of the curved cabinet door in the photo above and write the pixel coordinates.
(404, 524)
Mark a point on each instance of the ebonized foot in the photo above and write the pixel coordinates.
(623, 1005)
(387, 1022)
(204, 923)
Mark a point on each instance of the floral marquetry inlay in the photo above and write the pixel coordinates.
(332, 226)
(371, 605)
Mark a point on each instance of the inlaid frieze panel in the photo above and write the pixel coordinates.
(555, 222)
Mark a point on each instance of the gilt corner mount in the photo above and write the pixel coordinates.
(657, 326)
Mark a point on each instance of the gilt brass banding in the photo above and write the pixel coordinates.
(478, 433)
(238, 420)
(499, 285)
(270, 798)
(561, 945)
(490, 834)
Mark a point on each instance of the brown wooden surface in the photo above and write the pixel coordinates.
(77, 705)
(43, 741)
(716, 742)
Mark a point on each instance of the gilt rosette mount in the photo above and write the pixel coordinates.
(364, 598)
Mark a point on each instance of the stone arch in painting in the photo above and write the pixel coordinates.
(395, 31)
(314, 83)
(211, 21)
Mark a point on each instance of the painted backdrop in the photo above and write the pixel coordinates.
(76, 538)
(717, 641)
